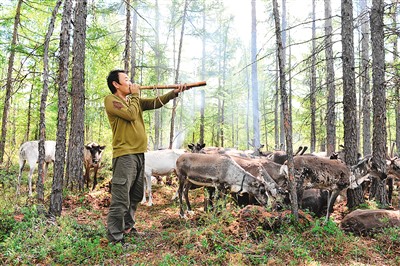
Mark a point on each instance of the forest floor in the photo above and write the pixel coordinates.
(210, 238)
(229, 236)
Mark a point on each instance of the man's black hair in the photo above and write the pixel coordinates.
(113, 76)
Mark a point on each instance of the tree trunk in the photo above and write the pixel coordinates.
(29, 115)
(276, 107)
(395, 12)
(172, 129)
(365, 83)
(287, 115)
(330, 82)
(56, 190)
(349, 97)
(127, 36)
(281, 111)
(133, 46)
(379, 103)
(203, 75)
(43, 103)
(77, 133)
(9, 82)
(254, 80)
(157, 112)
(313, 135)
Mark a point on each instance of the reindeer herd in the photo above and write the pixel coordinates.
(263, 179)
(248, 179)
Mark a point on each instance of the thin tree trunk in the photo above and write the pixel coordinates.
(379, 103)
(157, 112)
(313, 83)
(133, 46)
(330, 81)
(281, 112)
(287, 115)
(172, 129)
(276, 107)
(56, 190)
(349, 97)
(365, 77)
(127, 35)
(43, 103)
(254, 80)
(9, 82)
(395, 12)
(29, 115)
(77, 133)
(203, 75)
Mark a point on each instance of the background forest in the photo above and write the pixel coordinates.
(166, 42)
(282, 74)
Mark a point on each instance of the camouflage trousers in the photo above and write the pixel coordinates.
(126, 193)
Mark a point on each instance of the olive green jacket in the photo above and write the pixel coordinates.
(126, 121)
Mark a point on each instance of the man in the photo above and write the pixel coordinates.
(129, 141)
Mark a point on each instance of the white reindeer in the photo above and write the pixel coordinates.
(29, 151)
(160, 163)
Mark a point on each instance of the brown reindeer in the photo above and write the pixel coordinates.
(320, 173)
(218, 171)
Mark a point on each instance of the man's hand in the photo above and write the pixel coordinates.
(181, 87)
(134, 88)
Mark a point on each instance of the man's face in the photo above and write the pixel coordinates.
(123, 85)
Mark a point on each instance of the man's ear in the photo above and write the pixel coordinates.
(116, 84)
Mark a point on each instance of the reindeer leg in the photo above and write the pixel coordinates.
(186, 189)
(149, 192)
(389, 182)
(95, 169)
(31, 170)
(208, 202)
(182, 181)
(21, 167)
(331, 200)
(144, 190)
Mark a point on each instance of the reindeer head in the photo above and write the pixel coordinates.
(259, 192)
(95, 152)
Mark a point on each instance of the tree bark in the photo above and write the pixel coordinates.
(43, 103)
(9, 82)
(379, 103)
(287, 115)
(254, 80)
(313, 134)
(133, 46)
(76, 143)
(365, 79)
(157, 112)
(330, 82)
(56, 190)
(203, 75)
(127, 36)
(395, 12)
(172, 128)
(349, 97)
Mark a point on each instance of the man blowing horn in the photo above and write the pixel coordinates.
(129, 142)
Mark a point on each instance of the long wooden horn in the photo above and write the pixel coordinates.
(173, 86)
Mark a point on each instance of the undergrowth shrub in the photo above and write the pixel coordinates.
(7, 224)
